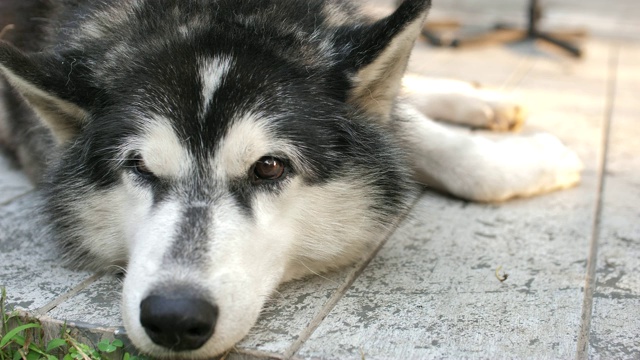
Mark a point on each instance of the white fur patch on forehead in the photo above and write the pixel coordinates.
(161, 149)
(249, 138)
(212, 72)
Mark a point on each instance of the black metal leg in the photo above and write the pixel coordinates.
(566, 45)
(433, 39)
(505, 33)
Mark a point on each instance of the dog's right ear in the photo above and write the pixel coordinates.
(377, 55)
(52, 84)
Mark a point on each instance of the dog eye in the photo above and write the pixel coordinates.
(268, 168)
(138, 165)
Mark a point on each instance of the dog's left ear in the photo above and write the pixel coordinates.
(52, 83)
(378, 56)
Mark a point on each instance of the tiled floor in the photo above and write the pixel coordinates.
(572, 257)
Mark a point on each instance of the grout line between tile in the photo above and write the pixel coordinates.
(342, 290)
(590, 278)
(331, 303)
(43, 310)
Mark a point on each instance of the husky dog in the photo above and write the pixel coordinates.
(217, 148)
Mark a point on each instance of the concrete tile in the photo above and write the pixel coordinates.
(432, 291)
(615, 325)
(30, 267)
(13, 183)
(98, 305)
(93, 314)
(290, 311)
(564, 74)
(455, 64)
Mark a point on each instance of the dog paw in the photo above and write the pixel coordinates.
(505, 114)
(559, 166)
(519, 166)
(490, 110)
(463, 103)
(534, 165)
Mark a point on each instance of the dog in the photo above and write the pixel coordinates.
(218, 148)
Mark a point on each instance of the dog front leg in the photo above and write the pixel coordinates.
(476, 168)
(462, 103)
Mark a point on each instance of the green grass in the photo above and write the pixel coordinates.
(20, 339)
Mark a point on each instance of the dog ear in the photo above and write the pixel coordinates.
(50, 84)
(378, 56)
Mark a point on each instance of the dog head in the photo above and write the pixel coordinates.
(217, 149)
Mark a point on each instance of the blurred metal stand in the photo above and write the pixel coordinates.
(506, 33)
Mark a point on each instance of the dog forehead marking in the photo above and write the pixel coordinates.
(212, 73)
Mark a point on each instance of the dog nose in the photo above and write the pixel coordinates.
(178, 324)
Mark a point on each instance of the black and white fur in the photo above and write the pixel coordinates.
(148, 120)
